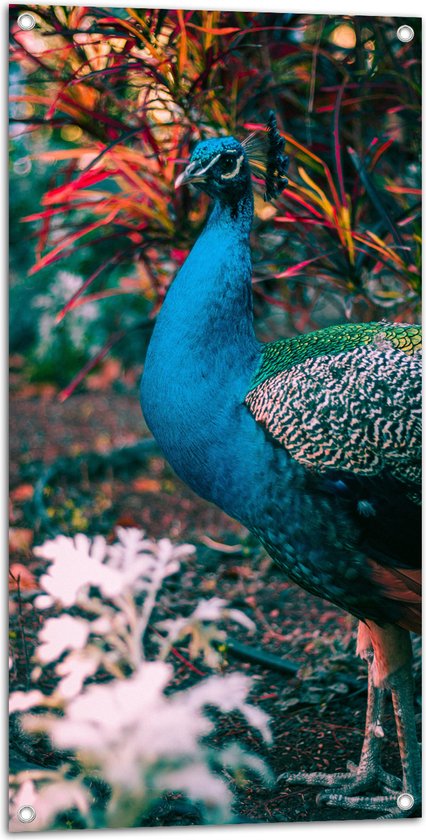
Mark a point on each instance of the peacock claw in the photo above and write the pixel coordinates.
(343, 789)
(387, 795)
(387, 781)
(385, 804)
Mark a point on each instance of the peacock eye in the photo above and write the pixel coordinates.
(227, 163)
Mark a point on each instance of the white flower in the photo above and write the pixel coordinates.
(120, 704)
(61, 634)
(120, 724)
(130, 731)
(229, 693)
(43, 602)
(75, 669)
(258, 719)
(76, 566)
(209, 609)
(203, 632)
(216, 609)
(101, 625)
(133, 564)
(199, 783)
(236, 758)
(126, 726)
(167, 552)
(130, 544)
(61, 796)
(143, 561)
(20, 701)
(48, 801)
(25, 795)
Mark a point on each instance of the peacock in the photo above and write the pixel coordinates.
(312, 442)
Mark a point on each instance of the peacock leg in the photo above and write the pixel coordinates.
(390, 666)
(368, 774)
(401, 686)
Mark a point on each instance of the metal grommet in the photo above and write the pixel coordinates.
(405, 33)
(405, 801)
(26, 21)
(26, 814)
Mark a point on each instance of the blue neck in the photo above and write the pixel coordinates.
(203, 351)
(207, 314)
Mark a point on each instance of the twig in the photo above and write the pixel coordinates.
(178, 655)
(247, 653)
(222, 547)
(21, 627)
(257, 656)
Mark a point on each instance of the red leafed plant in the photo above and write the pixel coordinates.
(110, 102)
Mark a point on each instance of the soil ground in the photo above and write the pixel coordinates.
(317, 714)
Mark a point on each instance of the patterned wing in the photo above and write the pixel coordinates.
(346, 399)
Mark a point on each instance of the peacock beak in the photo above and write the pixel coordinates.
(195, 172)
(188, 174)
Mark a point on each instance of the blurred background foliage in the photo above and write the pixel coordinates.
(106, 105)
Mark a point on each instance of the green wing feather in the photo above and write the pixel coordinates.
(286, 352)
(345, 398)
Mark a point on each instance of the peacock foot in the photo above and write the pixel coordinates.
(390, 801)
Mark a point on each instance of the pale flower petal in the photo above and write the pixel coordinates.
(209, 609)
(101, 625)
(60, 634)
(184, 550)
(20, 701)
(228, 692)
(240, 618)
(199, 783)
(25, 795)
(258, 719)
(43, 602)
(48, 801)
(53, 799)
(75, 669)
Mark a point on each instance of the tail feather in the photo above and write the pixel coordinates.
(403, 587)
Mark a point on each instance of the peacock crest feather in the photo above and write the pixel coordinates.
(267, 161)
(277, 161)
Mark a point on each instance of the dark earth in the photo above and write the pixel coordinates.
(317, 714)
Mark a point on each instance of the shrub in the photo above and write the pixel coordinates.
(114, 719)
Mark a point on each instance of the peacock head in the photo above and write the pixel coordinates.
(222, 166)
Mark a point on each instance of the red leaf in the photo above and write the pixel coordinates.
(228, 30)
(21, 578)
(69, 240)
(66, 392)
(85, 285)
(86, 179)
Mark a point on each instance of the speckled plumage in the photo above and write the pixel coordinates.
(353, 404)
(286, 352)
